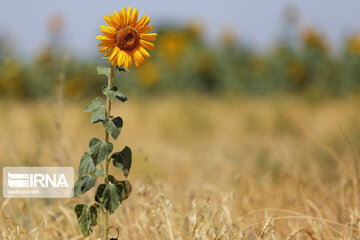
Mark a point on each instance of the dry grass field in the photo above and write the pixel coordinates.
(203, 167)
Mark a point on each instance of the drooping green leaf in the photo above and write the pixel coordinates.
(99, 193)
(101, 188)
(86, 165)
(113, 126)
(78, 209)
(127, 189)
(94, 105)
(83, 185)
(109, 93)
(98, 110)
(93, 215)
(83, 223)
(111, 195)
(99, 150)
(112, 93)
(101, 70)
(122, 160)
(76, 190)
(87, 218)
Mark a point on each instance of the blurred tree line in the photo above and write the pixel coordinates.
(184, 61)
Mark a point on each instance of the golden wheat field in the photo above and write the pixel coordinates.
(204, 167)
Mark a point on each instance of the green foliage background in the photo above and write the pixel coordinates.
(184, 61)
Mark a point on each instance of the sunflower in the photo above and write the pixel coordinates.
(126, 39)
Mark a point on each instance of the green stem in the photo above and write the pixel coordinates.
(106, 173)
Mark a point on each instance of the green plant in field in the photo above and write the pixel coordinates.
(124, 41)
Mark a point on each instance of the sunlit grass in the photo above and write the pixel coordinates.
(203, 168)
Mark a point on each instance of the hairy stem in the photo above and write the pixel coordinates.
(106, 172)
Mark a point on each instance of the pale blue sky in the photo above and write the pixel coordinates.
(257, 22)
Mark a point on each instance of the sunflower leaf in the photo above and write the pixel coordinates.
(99, 150)
(113, 127)
(123, 160)
(83, 222)
(83, 185)
(112, 93)
(101, 188)
(93, 215)
(99, 193)
(127, 189)
(87, 217)
(101, 70)
(111, 195)
(98, 110)
(86, 165)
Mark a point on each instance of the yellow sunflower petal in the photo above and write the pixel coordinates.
(117, 18)
(122, 18)
(148, 45)
(108, 21)
(144, 52)
(139, 57)
(114, 21)
(134, 17)
(121, 57)
(115, 60)
(148, 36)
(109, 38)
(141, 21)
(126, 62)
(107, 54)
(104, 38)
(137, 63)
(103, 49)
(106, 44)
(144, 23)
(108, 30)
(114, 54)
(124, 13)
(146, 29)
(130, 62)
(128, 15)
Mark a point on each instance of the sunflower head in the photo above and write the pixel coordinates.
(126, 38)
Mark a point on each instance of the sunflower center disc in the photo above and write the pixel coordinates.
(127, 38)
